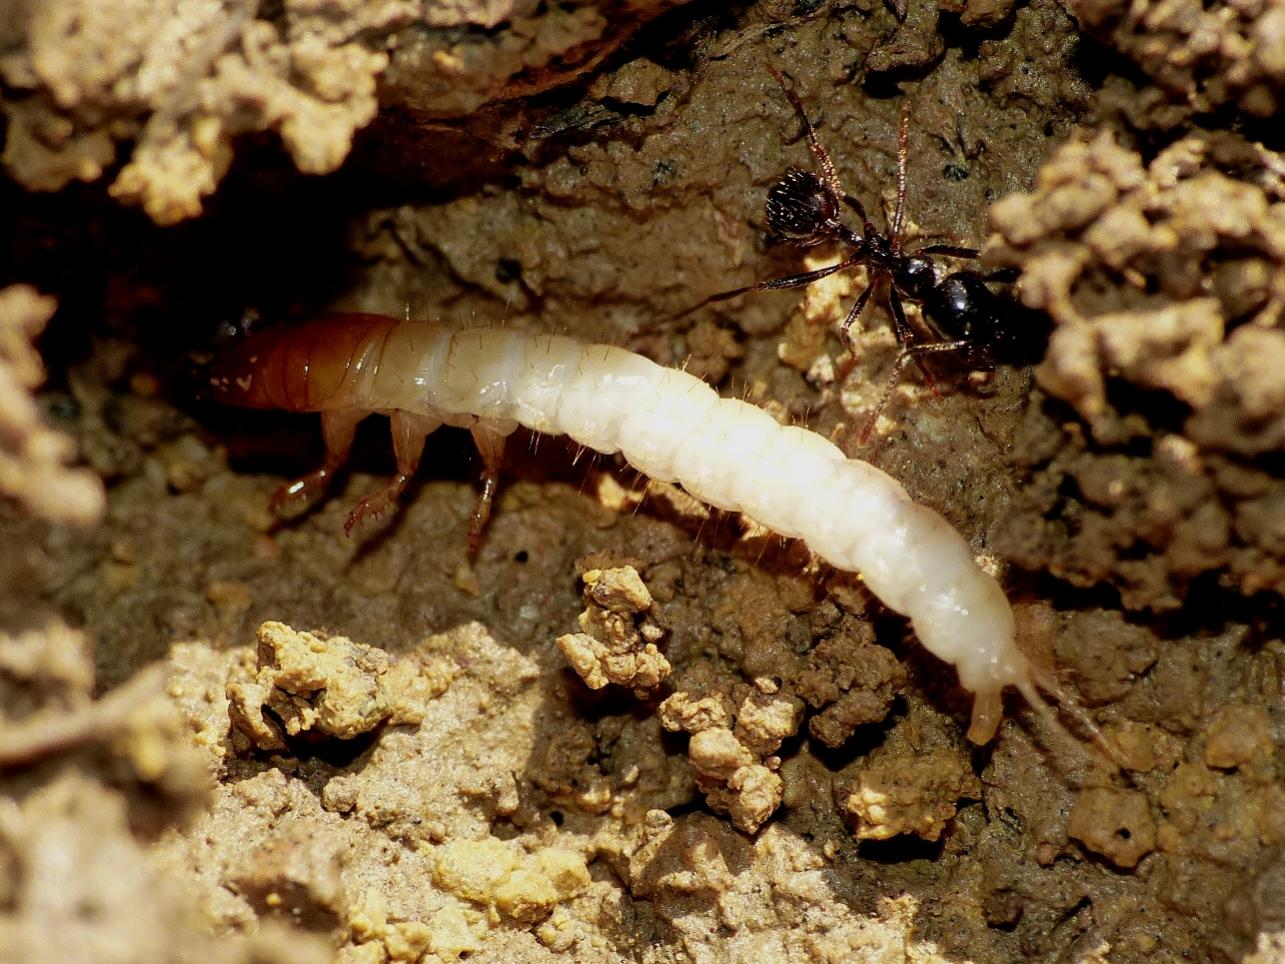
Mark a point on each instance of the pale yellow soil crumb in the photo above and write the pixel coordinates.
(1239, 735)
(822, 308)
(616, 645)
(447, 935)
(1165, 219)
(47, 710)
(33, 457)
(80, 887)
(1140, 746)
(48, 669)
(1164, 277)
(738, 726)
(916, 795)
(730, 764)
(329, 687)
(1270, 949)
(766, 717)
(500, 875)
(684, 711)
(397, 855)
(184, 79)
(766, 899)
(1208, 54)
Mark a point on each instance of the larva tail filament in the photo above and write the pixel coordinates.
(1030, 690)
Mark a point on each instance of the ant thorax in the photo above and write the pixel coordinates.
(916, 276)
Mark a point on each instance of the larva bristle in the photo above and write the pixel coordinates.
(701, 528)
(638, 504)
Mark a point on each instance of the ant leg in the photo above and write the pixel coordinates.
(490, 445)
(950, 251)
(776, 284)
(409, 432)
(901, 328)
(337, 432)
(853, 203)
(908, 353)
(854, 313)
(899, 215)
(818, 150)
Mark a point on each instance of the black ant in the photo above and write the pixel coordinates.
(962, 313)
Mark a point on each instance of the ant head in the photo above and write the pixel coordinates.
(801, 207)
(915, 276)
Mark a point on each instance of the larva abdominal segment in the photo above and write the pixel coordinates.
(671, 427)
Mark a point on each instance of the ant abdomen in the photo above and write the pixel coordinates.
(997, 330)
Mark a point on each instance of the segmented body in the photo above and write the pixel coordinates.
(671, 427)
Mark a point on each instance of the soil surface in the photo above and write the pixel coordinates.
(632, 728)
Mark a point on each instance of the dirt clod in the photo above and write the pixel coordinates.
(771, 767)
(325, 687)
(1114, 823)
(618, 642)
(1162, 488)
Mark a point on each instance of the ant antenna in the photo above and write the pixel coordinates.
(818, 149)
(899, 215)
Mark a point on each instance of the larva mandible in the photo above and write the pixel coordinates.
(670, 426)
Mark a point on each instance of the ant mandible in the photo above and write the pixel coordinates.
(964, 316)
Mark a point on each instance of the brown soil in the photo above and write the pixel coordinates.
(632, 729)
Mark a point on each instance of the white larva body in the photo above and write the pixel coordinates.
(671, 427)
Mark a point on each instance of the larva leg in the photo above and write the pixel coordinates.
(409, 432)
(337, 431)
(490, 445)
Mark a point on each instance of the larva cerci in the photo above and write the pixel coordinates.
(671, 427)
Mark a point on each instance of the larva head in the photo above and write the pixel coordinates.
(311, 367)
(238, 375)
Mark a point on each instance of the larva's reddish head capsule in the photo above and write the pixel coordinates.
(306, 368)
